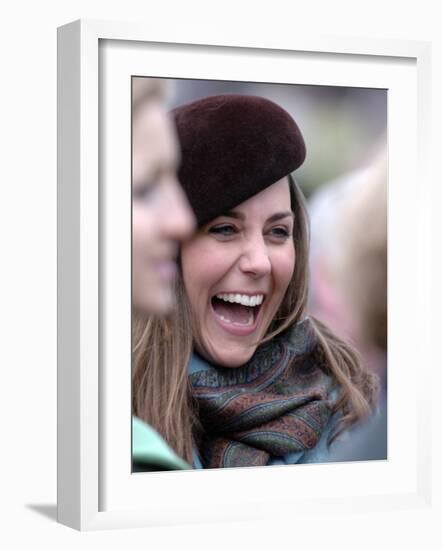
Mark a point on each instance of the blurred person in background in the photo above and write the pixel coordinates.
(161, 218)
(349, 281)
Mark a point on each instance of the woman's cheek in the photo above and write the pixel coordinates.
(284, 265)
(138, 229)
(143, 225)
(203, 272)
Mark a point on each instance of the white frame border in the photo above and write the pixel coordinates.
(78, 259)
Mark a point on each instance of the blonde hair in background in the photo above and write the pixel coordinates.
(363, 270)
(163, 348)
(147, 89)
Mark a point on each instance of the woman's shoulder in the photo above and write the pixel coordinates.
(366, 440)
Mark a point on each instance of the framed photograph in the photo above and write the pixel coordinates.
(97, 65)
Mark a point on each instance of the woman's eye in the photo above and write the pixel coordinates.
(280, 232)
(145, 191)
(223, 230)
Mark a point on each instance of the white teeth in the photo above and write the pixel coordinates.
(242, 299)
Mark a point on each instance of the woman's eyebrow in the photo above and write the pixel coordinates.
(273, 218)
(280, 216)
(234, 214)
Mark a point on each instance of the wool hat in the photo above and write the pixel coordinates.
(233, 146)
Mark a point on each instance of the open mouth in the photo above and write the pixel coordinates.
(239, 310)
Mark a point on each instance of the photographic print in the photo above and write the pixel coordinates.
(259, 274)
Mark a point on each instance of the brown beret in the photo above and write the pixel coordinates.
(233, 146)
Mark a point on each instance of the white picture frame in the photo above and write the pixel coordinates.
(95, 487)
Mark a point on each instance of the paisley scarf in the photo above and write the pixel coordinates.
(277, 403)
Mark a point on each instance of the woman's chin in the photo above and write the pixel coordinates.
(231, 358)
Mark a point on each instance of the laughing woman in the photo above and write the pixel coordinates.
(239, 375)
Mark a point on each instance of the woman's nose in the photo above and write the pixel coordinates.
(255, 260)
(179, 217)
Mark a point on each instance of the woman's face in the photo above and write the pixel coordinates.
(160, 213)
(236, 270)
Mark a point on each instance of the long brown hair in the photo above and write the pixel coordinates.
(162, 349)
